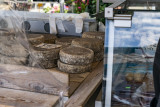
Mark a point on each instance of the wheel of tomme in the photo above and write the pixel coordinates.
(98, 35)
(98, 56)
(13, 49)
(65, 41)
(35, 39)
(49, 38)
(74, 68)
(46, 51)
(42, 63)
(13, 60)
(91, 43)
(76, 55)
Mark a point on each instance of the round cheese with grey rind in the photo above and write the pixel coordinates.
(95, 44)
(35, 39)
(74, 68)
(46, 51)
(98, 56)
(65, 41)
(13, 49)
(97, 35)
(13, 60)
(76, 55)
(49, 38)
(42, 63)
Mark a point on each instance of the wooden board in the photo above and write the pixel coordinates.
(87, 88)
(50, 81)
(17, 98)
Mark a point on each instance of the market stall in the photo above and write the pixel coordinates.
(48, 59)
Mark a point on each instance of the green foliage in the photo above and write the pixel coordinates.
(92, 8)
(46, 10)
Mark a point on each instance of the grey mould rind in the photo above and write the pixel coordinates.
(64, 41)
(48, 54)
(74, 68)
(98, 56)
(42, 63)
(49, 38)
(94, 44)
(97, 35)
(35, 39)
(69, 55)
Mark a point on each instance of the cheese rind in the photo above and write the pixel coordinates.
(95, 44)
(76, 55)
(74, 68)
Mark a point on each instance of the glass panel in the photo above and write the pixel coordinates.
(133, 55)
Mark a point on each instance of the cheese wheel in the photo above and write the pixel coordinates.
(49, 38)
(13, 60)
(74, 68)
(65, 41)
(129, 76)
(42, 63)
(91, 43)
(97, 35)
(138, 77)
(13, 49)
(35, 39)
(98, 56)
(76, 55)
(46, 51)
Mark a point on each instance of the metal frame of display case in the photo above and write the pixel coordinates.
(116, 20)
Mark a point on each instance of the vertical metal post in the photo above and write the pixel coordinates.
(62, 6)
(97, 6)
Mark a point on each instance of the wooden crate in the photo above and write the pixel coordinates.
(39, 80)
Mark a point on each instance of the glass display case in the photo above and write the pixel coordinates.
(132, 34)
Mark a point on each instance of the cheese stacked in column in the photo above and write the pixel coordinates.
(75, 59)
(11, 50)
(64, 41)
(44, 55)
(97, 35)
(94, 44)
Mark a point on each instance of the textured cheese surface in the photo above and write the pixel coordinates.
(42, 63)
(98, 56)
(65, 41)
(76, 55)
(49, 38)
(46, 51)
(98, 35)
(35, 39)
(74, 68)
(95, 44)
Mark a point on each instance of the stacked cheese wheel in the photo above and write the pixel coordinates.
(64, 41)
(75, 59)
(35, 39)
(97, 35)
(44, 55)
(92, 43)
(11, 51)
(49, 38)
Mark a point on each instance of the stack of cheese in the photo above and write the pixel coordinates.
(94, 44)
(44, 55)
(11, 50)
(99, 36)
(75, 59)
(64, 41)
